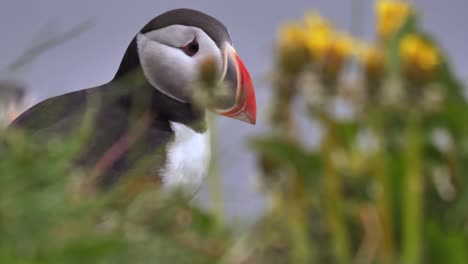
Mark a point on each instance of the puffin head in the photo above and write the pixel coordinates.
(171, 49)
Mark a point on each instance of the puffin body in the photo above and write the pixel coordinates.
(146, 117)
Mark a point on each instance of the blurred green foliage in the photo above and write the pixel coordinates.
(47, 216)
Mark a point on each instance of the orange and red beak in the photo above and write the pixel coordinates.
(235, 73)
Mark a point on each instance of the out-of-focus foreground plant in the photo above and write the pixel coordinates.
(48, 214)
(388, 183)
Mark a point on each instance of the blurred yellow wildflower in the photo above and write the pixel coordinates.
(390, 16)
(420, 57)
(292, 34)
(317, 38)
(319, 35)
(336, 53)
(328, 48)
(292, 50)
(372, 60)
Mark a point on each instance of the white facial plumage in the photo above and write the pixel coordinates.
(166, 66)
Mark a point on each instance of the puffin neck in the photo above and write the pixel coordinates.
(130, 60)
(176, 111)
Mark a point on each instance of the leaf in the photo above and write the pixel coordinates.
(393, 44)
(446, 246)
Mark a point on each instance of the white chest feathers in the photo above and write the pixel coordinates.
(188, 158)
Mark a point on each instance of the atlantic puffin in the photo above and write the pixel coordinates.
(147, 113)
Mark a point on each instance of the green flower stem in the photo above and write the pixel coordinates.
(282, 117)
(384, 193)
(298, 223)
(294, 214)
(413, 193)
(333, 196)
(214, 179)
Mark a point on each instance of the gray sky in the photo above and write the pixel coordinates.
(92, 57)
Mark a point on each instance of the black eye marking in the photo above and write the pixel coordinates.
(191, 48)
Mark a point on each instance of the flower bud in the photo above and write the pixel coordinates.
(291, 49)
(391, 14)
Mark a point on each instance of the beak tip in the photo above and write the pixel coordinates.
(247, 117)
(252, 121)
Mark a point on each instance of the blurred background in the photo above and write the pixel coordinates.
(102, 30)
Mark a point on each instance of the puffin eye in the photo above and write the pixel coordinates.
(191, 48)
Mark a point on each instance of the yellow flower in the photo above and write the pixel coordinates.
(372, 60)
(335, 55)
(343, 45)
(314, 37)
(292, 34)
(420, 58)
(328, 48)
(390, 16)
(319, 35)
(291, 49)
